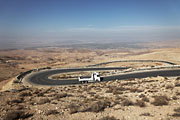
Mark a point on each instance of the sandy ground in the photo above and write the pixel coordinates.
(149, 98)
(13, 62)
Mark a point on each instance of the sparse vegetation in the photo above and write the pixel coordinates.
(61, 95)
(135, 90)
(98, 106)
(140, 103)
(127, 102)
(178, 78)
(43, 101)
(51, 112)
(177, 84)
(16, 114)
(73, 108)
(169, 86)
(177, 112)
(108, 118)
(160, 100)
(145, 114)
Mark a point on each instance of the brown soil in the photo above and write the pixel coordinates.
(148, 98)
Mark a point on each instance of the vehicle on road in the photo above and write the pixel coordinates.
(95, 77)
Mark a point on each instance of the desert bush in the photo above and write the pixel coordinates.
(108, 118)
(91, 93)
(145, 114)
(178, 78)
(141, 95)
(19, 107)
(146, 99)
(169, 86)
(177, 84)
(16, 114)
(15, 100)
(43, 101)
(177, 112)
(73, 108)
(135, 90)
(127, 102)
(61, 95)
(40, 94)
(140, 103)
(116, 90)
(51, 112)
(160, 100)
(16, 81)
(98, 106)
(177, 93)
(26, 93)
(174, 97)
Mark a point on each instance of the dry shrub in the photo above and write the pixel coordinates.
(91, 93)
(61, 95)
(145, 114)
(23, 94)
(177, 93)
(169, 86)
(146, 99)
(141, 95)
(136, 90)
(160, 100)
(177, 112)
(43, 101)
(127, 102)
(98, 106)
(140, 103)
(116, 90)
(94, 106)
(174, 97)
(177, 84)
(15, 101)
(16, 81)
(178, 78)
(17, 114)
(73, 108)
(108, 118)
(51, 112)
(129, 83)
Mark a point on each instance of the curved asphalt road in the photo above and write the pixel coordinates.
(41, 78)
(105, 63)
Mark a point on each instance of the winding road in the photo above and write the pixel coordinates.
(41, 78)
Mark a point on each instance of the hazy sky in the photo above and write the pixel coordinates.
(116, 20)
